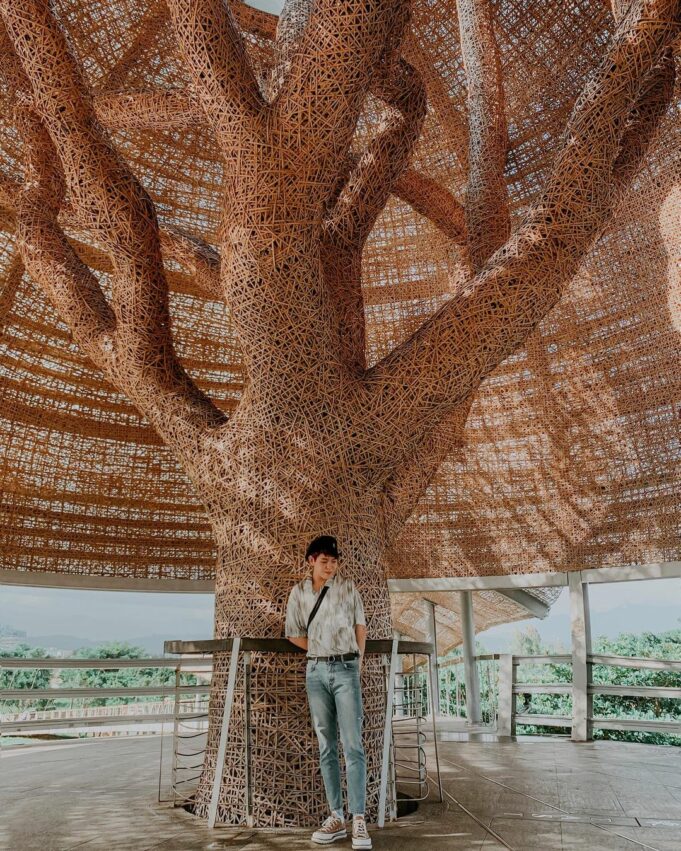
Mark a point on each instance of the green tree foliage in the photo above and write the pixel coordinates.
(136, 677)
(24, 677)
(35, 678)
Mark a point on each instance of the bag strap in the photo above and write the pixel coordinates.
(316, 606)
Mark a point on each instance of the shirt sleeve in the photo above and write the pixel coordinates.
(295, 628)
(360, 620)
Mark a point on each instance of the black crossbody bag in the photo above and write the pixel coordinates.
(316, 606)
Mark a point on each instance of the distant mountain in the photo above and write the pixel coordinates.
(11, 632)
(59, 642)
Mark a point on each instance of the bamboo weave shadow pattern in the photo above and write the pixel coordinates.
(264, 279)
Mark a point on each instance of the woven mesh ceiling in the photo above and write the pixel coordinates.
(570, 454)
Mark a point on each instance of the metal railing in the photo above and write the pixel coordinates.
(185, 704)
(403, 759)
(452, 683)
(501, 689)
(32, 720)
(412, 704)
(510, 688)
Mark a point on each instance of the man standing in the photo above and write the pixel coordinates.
(325, 617)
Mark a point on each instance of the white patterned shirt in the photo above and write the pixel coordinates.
(333, 629)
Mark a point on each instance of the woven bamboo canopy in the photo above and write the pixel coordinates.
(570, 454)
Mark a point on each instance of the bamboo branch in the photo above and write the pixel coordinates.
(132, 343)
(410, 478)
(164, 393)
(149, 29)
(487, 216)
(371, 181)
(360, 202)
(200, 259)
(45, 253)
(161, 109)
(323, 93)
(434, 202)
(447, 358)
(171, 109)
(107, 196)
(214, 53)
(291, 24)
(252, 20)
(653, 101)
(49, 259)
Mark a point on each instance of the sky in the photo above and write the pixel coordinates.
(653, 605)
(273, 6)
(648, 606)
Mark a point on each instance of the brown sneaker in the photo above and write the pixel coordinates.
(332, 829)
(360, 834)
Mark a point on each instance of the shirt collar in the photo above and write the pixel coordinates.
(328, 583)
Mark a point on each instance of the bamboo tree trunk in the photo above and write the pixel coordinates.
(254, 578)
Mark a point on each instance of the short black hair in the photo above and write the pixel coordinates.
(322, 545)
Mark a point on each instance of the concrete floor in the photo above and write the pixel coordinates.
(101, 793)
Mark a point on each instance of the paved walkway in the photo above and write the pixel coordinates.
(101, 794)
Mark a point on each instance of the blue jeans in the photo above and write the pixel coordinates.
(335, 697)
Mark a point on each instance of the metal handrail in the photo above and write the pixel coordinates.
(391, 648)
(15, 662)
(511, 718)
(24, 694)
(83, 717)
(282, 645)
(635, 662)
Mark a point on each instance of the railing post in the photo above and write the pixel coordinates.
(387, 730)
(433, 665)
(224, 731)
(469, 663)
(247, 723)
(506, 716)
(176, 731)
(580, 629)
(399, 690)
(434, 722)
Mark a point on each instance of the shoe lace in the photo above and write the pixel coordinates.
(331, 820)
(359, 828)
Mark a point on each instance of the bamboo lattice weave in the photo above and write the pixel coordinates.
(402, 272)
(570, 454)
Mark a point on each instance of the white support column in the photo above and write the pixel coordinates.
(469, 663)
(580, 629)
(434, 668)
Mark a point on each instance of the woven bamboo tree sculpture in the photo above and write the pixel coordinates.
(319, 441)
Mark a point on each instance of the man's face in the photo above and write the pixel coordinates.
(323, 567)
